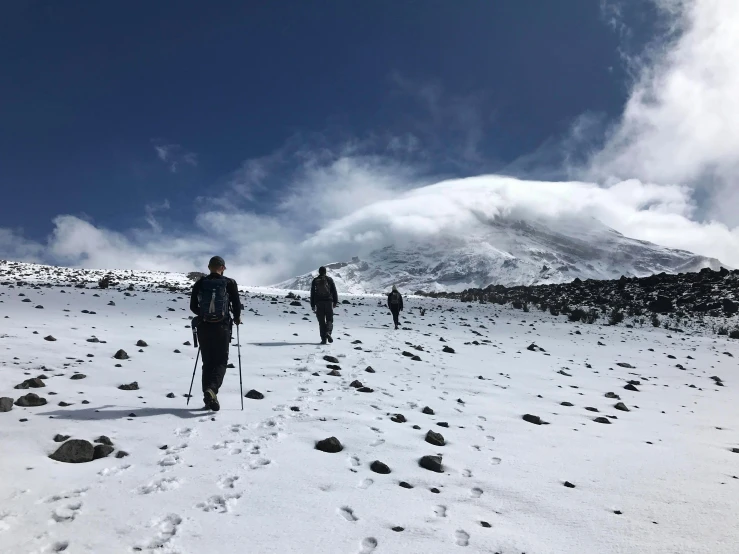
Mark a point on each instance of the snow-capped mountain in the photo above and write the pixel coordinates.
(508, 252)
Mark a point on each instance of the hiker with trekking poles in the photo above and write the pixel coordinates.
(210, 300)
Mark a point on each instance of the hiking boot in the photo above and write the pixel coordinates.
(328, 337)
(323, 341)
(211, 400)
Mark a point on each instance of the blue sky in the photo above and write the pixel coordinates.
(91, 88)
(156, 116)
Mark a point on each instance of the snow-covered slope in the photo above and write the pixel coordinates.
(660, 478)
(508, 252)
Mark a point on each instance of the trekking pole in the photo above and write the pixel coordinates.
(189, 394)
(241, 384)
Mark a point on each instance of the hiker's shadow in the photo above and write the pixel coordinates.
(103, 413)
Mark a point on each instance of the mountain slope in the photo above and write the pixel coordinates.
(508, 252)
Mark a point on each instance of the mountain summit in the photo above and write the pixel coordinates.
(509, 252)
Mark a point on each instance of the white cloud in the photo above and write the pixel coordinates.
(679, 124)
(174, 155)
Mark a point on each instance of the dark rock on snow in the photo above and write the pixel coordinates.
(330, 445)
(130, 386)
(6, 404)
(437, 439)
(102, 451)
(378, 467)
(254, 395)
(75, 451)
(35, 383)
(121, 355)
(31, 400)
(432, 463)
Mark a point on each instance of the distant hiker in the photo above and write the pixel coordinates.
(210, 300)
(395, 303)
(323, 300)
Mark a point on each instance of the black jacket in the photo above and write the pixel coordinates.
(400, 304)
(231, 288)
(314, 295)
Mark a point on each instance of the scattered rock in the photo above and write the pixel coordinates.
(130, 386)
(569, 485)
(102, 451)
(432, 463)
(330, 445)
(536, 420)
(378, 467)
(591, 409)
(621, 406)
(356, 384)
(370, 370)
(50, 338)
(121, 355)
(624, 364)
(75, 451)
(485, 524)
(437, 439)
(170, 395)
(428, 411)
(631, 388)
(141, 343)
(254, 395)
(602, 420)
(121, 454)
(31, 400)
(613, 395)
(102, 439)
(568, 404)
(398, 418)
(398, 529)
(6, 404)
(366, 389)
(331, 359)
(449, 350)
(35, 383)
(335, 373)
(405, 485)
(61, 438)
(78, 376)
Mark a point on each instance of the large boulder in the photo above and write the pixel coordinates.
(31, 400)
(330, 445)
(75, 451)
(6, 404)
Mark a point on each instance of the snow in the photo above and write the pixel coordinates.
(251, 481)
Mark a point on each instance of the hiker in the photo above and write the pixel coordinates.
(210, 300)
(323, 300)
(395, 303)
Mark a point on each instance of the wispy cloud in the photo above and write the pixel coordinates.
(174, 155)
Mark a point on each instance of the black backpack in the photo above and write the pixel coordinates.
(323, 288)
(213, 299)
(395, 297)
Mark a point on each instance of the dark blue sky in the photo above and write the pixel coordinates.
(89, 89)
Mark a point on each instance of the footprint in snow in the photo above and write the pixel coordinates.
(347, 513)
(366, 483)
(67, 495)
(228, 482)
(160, 485)
(476, 492)
(377, 442)
(60, 546)
(184, 432)
(219, 504)
(66, 513)
(463, 538)
(368, 545)
(467, 473)
(168, 527)
(354, 461)
(259, 463)
(440, 511)
(496, 461)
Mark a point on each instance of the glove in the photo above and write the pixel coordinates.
(237, 321)
(314, 309)
(336, 305)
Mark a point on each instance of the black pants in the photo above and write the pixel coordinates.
(396, 314)
(325, 314)
(215, 339)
